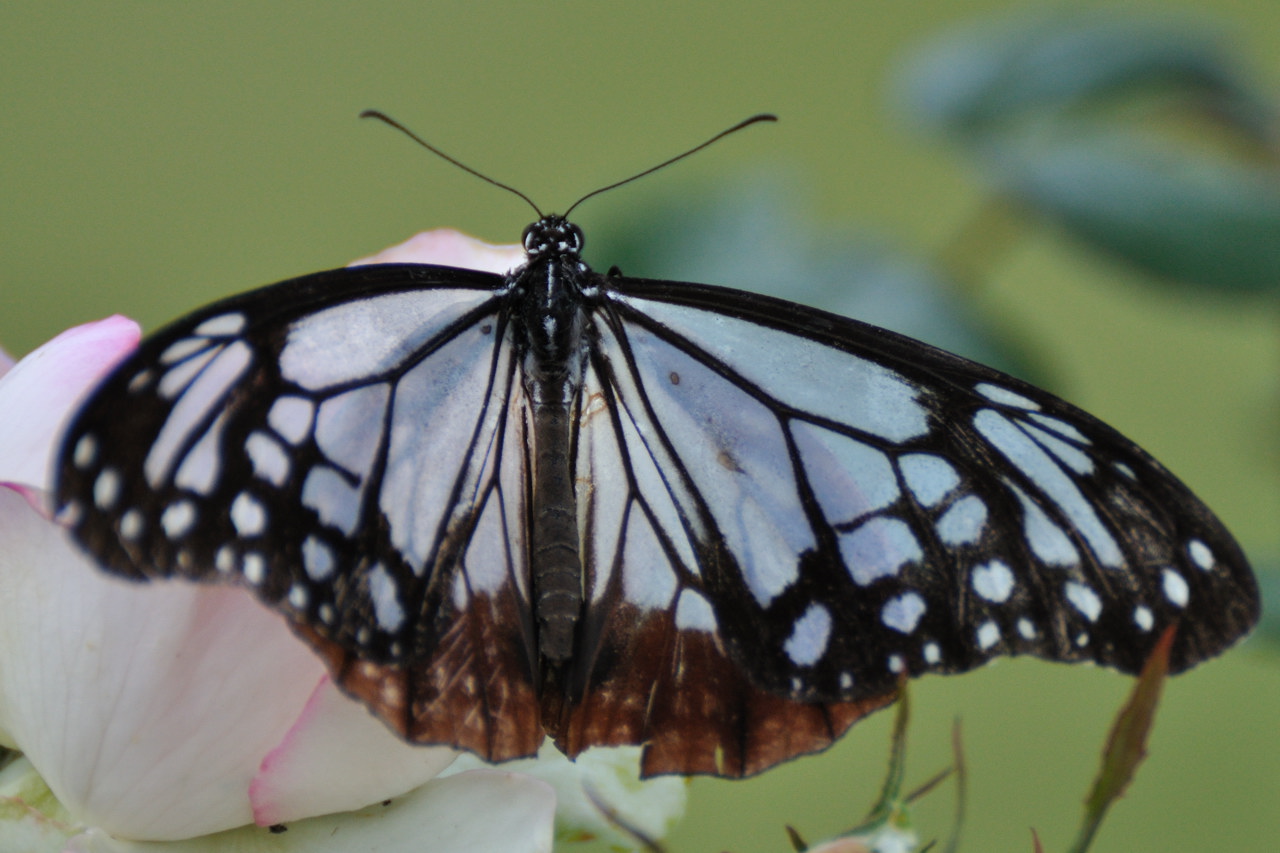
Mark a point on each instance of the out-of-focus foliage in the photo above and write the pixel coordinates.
(1141, 137)
(756, 236)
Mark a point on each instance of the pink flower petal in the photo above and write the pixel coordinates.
(448, 247)
(482, 811)
(147, 708)
(338, 757)
(40, 391)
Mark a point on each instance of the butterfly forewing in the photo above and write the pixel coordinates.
(274, 440)
(780, 512)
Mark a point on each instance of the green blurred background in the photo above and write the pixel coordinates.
(156, 156)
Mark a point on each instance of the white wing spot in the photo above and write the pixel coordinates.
(298, 596)
(809, 636)
(131, 525)
(292, 417)
(896, 664)
(385, 593)
(1061, 427)
(1048, 541)
(992, 581)
(223, 324)
(928, 477)
(140, 381)
(86, 451)
(1125, 470)
(326, 613)
(1002, 395)
(225, 560)
(199, 470)
(1027, 629)
(1175, 588)
(71, 514)
(932, 654)
(269, 460)
(177, 518)
(335, 500)
(903, 613)
(1084, 599)
(988, 635)
(693, 613)
(1082, 639)
(878, 549)
(181, 348)
(846, 680)
(317, 559)
(254, 568)
(1201, 554)
(106, 489)
(963, 522)
(248, 515)
(1143, 618)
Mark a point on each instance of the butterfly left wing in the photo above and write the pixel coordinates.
(348, 446)
(827, 506)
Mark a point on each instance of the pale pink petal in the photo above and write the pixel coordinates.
(483, 811)
(147, 708)
(338, 757)
(451, 248)
(39, 393)
(6, 362)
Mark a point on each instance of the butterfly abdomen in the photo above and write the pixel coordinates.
(549, 337)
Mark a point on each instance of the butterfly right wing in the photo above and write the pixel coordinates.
(345, 445)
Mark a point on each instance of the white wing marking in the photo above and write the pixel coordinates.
(1052, 481)
(348, 427)
(734, 450)
(200, 468)
(205, 394)
(849, 478)
(800, 373)
(368, 337)
(438, 410)
(930, 478)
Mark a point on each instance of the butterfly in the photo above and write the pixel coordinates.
(626, 511)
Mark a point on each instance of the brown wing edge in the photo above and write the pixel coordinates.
(475, 692)
(693, 708)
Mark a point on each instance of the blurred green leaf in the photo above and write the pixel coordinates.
(1268, 571)
(754, 236)
(1137, 135)
(1169, 210)
(996, 71)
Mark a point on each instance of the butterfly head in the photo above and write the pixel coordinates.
(550, 236)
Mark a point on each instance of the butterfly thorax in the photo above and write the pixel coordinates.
(548, 333)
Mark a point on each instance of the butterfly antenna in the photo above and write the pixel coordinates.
(386, 119)
(756, 119)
